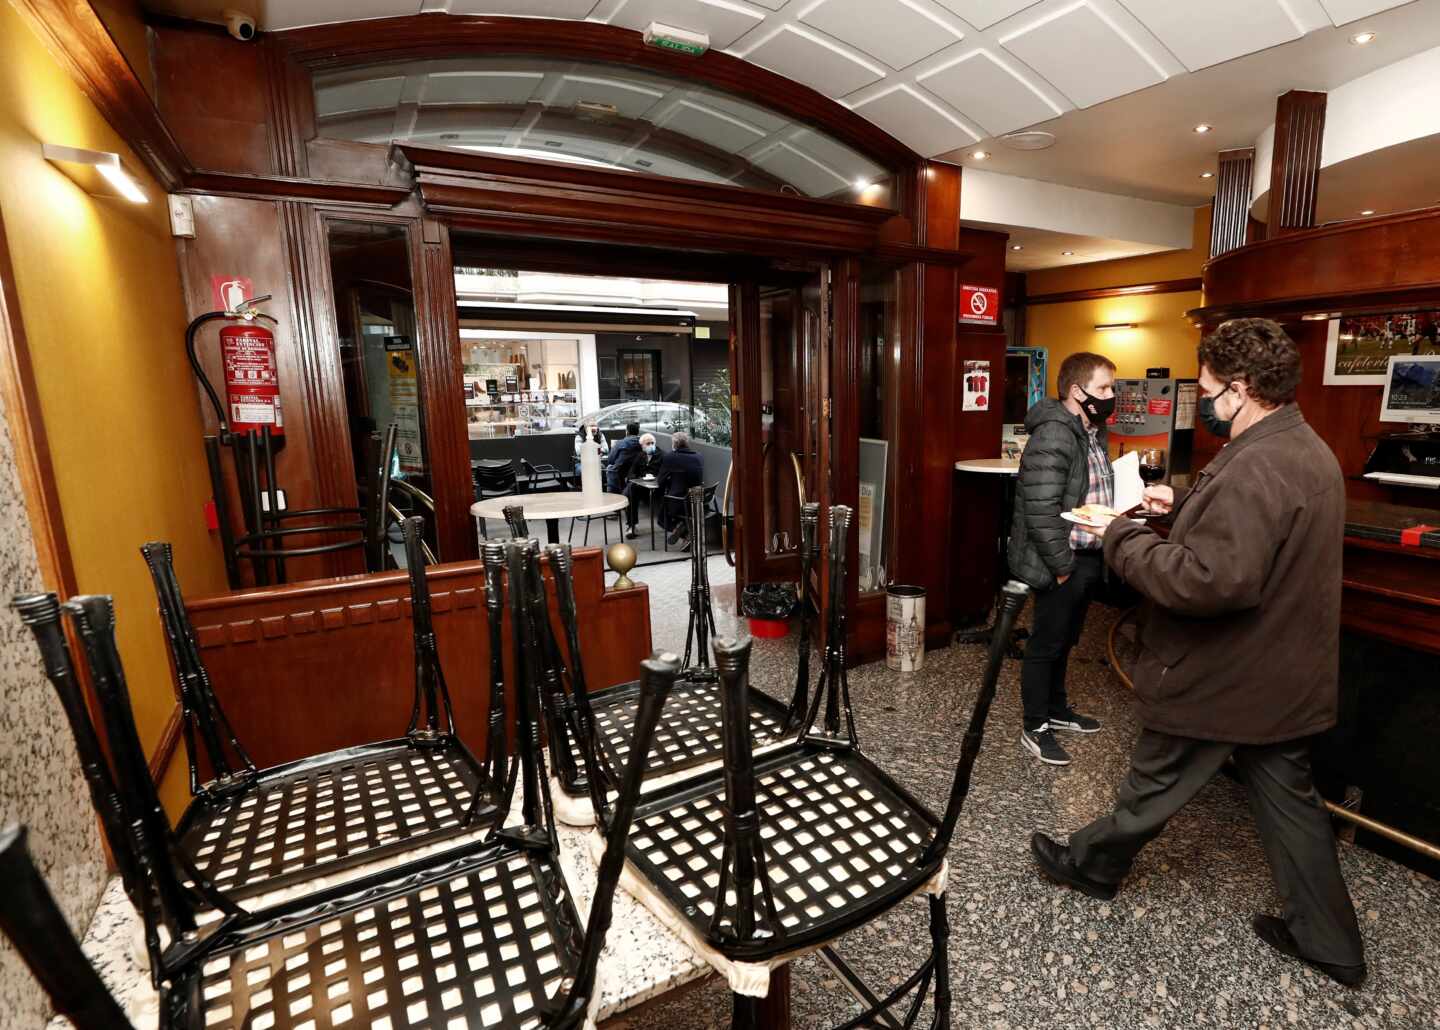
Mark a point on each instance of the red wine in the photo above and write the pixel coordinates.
(1152, 473)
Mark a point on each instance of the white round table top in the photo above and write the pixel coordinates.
(549, 504)
(995, 466)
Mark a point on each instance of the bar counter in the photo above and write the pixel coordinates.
(1387, 523)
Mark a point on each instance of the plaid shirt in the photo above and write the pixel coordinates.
(1101, 490)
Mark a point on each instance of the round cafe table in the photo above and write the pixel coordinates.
(550, 505)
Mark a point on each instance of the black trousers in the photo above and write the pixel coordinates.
(632, 513)
(1059, 618)
(1166, 772)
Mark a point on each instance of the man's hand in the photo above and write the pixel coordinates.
(1159, 500)
(1100, 524)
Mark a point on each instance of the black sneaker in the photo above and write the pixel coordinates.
(1275, 933)
(1054, 861)
(630, 533)
(1074, 722)
(1040, 742)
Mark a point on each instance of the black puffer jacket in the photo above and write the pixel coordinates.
(1053, 478)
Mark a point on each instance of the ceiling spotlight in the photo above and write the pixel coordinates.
(1368, 211)
(1207, 175)
(1361, 38)
(861, 185)
(980, 155)
(1016, 246)
(1203, 128)
(1067, 253)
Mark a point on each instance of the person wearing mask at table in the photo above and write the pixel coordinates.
(1239, 648)
(651, 457)
(588, 434)
(1066, 464)
(681, 469)
(646, 463)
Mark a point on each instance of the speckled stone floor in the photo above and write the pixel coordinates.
(1173, 950)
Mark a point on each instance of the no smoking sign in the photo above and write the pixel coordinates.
(979, 304)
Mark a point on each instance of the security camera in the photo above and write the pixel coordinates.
(239, 24)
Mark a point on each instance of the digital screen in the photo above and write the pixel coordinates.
(1413, 389)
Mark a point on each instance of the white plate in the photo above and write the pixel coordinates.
(1070, 517)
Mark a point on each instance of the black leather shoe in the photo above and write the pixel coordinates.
(1054, 861)
(1275, 933)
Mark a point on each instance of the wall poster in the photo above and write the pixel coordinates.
(976, 396)
(1359, 347)
(405, 402)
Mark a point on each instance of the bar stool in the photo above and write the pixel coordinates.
(483, 934)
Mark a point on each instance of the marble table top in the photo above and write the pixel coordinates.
(642, 959)
(994, 466)
(549, 504)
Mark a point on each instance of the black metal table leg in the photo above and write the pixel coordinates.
(552, 531)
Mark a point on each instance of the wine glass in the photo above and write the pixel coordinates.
(1152, 466)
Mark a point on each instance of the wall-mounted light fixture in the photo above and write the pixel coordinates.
(1316, 316)
(1102, 327)
(97, 172)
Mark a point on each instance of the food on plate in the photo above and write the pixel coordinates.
(1095, 512)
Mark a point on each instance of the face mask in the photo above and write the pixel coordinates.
(1213, 422)
(649, 448)
(1096, 409)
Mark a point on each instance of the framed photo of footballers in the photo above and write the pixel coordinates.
(1358, 348)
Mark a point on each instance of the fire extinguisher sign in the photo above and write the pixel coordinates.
(980, 304)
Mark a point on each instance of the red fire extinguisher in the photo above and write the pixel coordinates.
(252, 382)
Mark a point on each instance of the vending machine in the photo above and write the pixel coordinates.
(1156, 411)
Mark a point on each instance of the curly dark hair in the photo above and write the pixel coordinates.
(1258, 352)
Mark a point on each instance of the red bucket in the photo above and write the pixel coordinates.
(769, 629)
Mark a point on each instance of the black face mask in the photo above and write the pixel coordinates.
(1096, 409)
(1213, 422)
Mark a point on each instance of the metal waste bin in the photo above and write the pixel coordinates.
(904, 627)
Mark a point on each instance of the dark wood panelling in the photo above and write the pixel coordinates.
(316, 666)
(1382, 263)
(1393, 592)
(211, 92)
(518, 196)
(74, 33)
(442, 389)
(288, 98)
(1295, 164)
(1101, 292)
(279, 188)
(1231, 211)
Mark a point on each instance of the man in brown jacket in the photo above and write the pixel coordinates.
(1239, 648)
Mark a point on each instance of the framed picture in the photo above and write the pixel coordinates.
(1358, 348)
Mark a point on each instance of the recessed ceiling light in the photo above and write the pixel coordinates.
(1361, 38)
(1368, 211)
(1067, 253)
(1203, 128)
(861, 185)
(1016, 246)
(980, 155)
(1207, 175)
(1031, 139)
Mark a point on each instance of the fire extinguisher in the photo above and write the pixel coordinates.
(252, 383)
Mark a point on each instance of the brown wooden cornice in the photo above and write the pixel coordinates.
(78, 39)
(503, 194)
(279, 187)
(1100, 293)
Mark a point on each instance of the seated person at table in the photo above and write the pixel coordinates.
(646, 460)
(588, 431)
(651, 455)
(681, 469)
(623, 454)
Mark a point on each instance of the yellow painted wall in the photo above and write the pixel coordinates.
(99, 292)
(1163, 337)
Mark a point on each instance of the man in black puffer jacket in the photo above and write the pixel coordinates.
(1065, 465)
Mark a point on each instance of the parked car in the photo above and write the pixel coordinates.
(653, 416)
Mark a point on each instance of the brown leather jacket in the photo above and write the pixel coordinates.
(1240, 629)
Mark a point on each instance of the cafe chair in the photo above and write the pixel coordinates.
(770, 857)
(493, 478)
(541, 477)
(685, 511)
(485, 934)
(252, 830)
(598, 725)
(604, 527)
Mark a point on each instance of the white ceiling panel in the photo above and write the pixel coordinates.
(631, 99)
(806, 57)
(1218, 30)
(319, 12)
(773, 5)
(918, 123)
(897, 32)
(1343, 11)
(479, 87)
(809, 175)
(986, 91)
(725, 22)
(984, 13)
(711, 126)
(530, 8)
(1084, 55)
